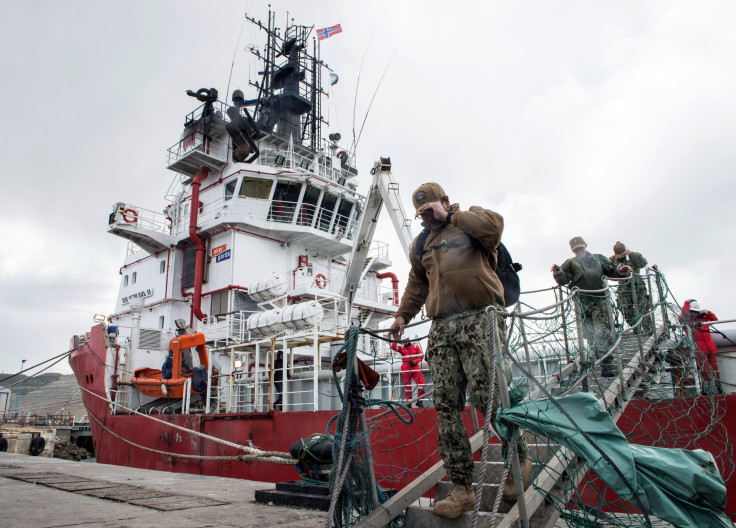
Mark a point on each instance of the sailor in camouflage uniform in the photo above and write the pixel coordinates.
(585, 271)
(626, 300)
(456, 280)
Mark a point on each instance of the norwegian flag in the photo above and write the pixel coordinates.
(188, 141)
(328, 32)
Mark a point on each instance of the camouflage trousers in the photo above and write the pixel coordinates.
(596, 323)
(633, 310)
(459, 356)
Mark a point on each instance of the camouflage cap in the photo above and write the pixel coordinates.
(426, 193)
(619, 249)
(577, 242)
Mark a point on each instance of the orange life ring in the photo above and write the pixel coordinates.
(130, 216)
(320, 280)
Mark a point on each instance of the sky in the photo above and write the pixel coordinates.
(611, 120)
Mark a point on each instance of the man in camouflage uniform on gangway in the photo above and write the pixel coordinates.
(634, 289)
(454, 276)
(585, 271)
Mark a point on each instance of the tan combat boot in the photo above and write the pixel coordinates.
(509, 489)
(461, 497)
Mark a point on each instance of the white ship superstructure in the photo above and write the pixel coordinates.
(260, 202)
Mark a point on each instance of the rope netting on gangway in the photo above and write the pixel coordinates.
(626, 346)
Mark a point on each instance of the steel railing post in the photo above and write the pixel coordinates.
(564, 323)
(660, 290)
(523, 337)
(582, 352)
(638, 329)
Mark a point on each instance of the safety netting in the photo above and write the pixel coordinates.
(625, 351)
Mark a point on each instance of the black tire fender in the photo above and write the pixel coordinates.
(38, 444)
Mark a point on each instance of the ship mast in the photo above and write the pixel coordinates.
(290, 89)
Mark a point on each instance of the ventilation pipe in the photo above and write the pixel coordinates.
(199, 262)
(394, 283)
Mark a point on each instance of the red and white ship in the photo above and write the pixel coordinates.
(263, 251)
(265, 245)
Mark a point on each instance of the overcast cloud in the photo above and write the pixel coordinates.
(611, 120)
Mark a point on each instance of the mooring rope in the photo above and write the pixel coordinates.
(277, 457)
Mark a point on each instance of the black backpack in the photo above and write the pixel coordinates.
(506, 269)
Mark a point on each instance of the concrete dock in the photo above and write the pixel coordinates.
(47, 492)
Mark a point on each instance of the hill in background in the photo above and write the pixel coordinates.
(47, 393)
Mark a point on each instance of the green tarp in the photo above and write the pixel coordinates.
(682, 487)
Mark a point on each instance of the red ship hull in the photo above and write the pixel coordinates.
(413, 446)
(131, 440)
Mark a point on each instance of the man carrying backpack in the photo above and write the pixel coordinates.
(454, 276)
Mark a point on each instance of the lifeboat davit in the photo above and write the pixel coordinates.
(152, 382)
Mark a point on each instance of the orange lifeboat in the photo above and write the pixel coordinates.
(151, 382)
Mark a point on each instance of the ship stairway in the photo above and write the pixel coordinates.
(551, 461)
(640, 363)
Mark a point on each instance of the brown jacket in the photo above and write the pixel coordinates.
(455, 275)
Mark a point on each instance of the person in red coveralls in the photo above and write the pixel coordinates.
(411, 359)
(697, 319)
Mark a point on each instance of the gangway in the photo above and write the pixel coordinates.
(637, 358)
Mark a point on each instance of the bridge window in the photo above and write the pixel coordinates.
(256, 188)
(343, 214)
(326, 210)
(309, 206)
(230, 188)
(285, 198)
(125, 281)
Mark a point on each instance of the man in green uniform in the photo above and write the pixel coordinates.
(454, 276)
(585, 271)
(633, 300)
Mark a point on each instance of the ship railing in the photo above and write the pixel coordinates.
(204, 150)
(316, 164)
(321, 219)
(251, 385)
(139, 217)
(379, 250)
(132, 249)
(227, 329)
(219, 108)
(323, 278)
